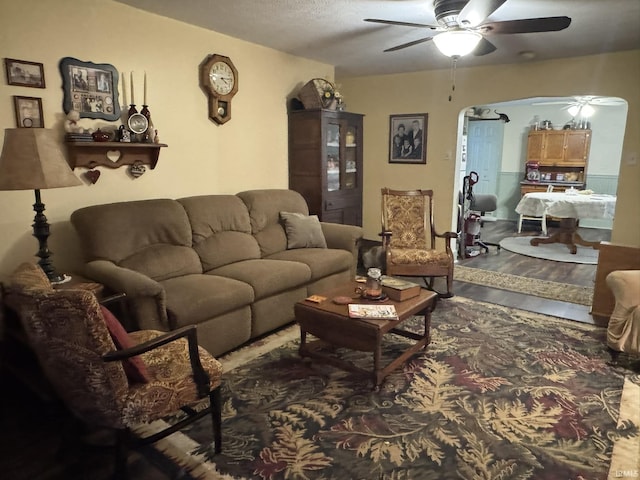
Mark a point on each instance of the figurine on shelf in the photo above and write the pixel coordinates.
(150, 135)
(71, 123)
(124, 135)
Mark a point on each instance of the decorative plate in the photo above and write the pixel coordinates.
(138, 123)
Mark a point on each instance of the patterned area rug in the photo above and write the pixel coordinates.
(531, 286)
(500, 393)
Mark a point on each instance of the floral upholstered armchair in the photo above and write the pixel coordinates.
(107, 377)
(409, 238)
(623, 331)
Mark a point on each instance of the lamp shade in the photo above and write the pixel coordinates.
(32, 159)
(457, 43)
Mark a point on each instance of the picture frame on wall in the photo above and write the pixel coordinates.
(24, 74)
(408, 138)
(28, 112)
(90, 88)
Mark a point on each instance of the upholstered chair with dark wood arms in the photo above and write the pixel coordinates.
(108, 377)
(623, 330)
(409, 238)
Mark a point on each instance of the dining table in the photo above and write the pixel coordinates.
(569, 206)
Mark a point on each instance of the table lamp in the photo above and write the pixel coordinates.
(32, 159)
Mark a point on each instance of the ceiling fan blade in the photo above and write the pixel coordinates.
(527, 25)
(409, 44)
(475, 11)
(484, 47)
(402, 24)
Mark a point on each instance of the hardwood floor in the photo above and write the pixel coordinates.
(38, 440)
(507, 262)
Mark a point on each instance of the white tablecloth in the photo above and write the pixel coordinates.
(562, 205)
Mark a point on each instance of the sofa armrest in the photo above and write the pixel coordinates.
(343, 237)
(145, 296)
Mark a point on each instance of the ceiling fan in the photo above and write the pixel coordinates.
(462, 31)
(583, 105)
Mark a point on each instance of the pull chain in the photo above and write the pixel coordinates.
(454, 62)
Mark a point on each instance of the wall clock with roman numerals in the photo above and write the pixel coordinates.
(219, 80)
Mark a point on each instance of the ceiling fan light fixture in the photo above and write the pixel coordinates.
(457, 43)
(584, 109)
(587, 110)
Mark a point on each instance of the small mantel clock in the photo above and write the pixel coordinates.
(219, 79)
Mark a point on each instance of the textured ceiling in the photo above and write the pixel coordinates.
(333, 31)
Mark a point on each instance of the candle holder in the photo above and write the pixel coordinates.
(145, 111)
(132, 110)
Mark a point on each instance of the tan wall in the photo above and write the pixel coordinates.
(250, 151)
(379, 96)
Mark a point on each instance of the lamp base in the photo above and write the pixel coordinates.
(60, 278)
(41, 232)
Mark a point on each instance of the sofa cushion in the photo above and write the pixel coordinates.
(264, 212)
(161, 262)
(221, 229)
(303, 231)
(192, 299)
(267, 276)
(322, 261)
(136, 234)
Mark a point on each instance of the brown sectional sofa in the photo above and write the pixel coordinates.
(218, 261)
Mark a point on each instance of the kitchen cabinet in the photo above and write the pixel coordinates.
(562, 157)
(559, 147)
(325, 163)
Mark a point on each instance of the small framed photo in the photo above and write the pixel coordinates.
(23, 73)
(28, 112)
(90, 88)
(408, 138)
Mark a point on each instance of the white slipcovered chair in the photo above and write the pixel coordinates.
(542, 219)
(623, 331)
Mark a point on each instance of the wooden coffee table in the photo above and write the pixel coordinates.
(331, 325)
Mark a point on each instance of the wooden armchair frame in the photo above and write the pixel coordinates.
(409, 238)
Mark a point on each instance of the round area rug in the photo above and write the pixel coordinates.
(550, 251)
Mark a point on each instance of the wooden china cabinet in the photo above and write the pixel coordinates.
(562, 157)
(325, 163)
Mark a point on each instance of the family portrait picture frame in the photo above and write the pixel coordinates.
(90, 88)
(24, 74)
(408, 138)
(28, 112)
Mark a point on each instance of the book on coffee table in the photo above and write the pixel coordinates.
(399, 289)
(387, 312)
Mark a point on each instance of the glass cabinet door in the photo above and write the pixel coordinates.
(333, 157)
(341, 152)
(350, 164)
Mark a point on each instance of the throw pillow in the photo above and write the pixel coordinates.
(134, 367)
(303, 231)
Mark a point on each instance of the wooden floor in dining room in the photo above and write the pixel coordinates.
(512, 263)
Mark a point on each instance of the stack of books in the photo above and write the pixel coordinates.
(398, 289)
(78, 137)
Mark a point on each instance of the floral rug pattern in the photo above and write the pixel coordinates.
(499, 393)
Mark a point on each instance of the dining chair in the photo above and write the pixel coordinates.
(542, 219)
(109, 378)
(409, 238)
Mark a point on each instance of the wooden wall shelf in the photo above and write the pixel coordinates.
(112, 154)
